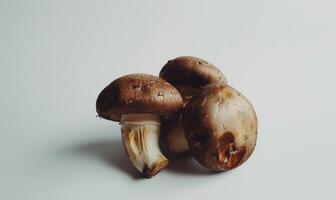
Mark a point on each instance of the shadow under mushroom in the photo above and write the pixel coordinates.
(110, 152)
(186, 164)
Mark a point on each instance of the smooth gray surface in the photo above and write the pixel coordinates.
(56, 56)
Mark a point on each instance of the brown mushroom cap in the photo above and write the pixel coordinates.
(138, 93)
(191, 71)
(221, 127)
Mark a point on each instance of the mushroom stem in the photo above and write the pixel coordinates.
(140, 135)
(175, 135)
(175, 138)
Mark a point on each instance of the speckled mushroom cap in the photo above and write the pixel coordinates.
(221, 127)
(138, 93)
(191, 71)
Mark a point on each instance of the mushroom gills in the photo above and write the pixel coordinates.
(140, 135)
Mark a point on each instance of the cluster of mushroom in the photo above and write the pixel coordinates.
(192, 105)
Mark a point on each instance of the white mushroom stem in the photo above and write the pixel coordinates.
(140, 135)
(175, 135)
(175, 138)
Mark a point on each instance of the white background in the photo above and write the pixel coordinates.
(56, 56)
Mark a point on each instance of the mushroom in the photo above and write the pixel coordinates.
(187, 74)
(221, 127)
(138, 101)
(173, 137)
